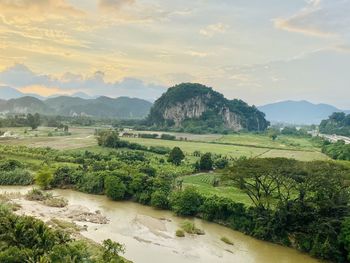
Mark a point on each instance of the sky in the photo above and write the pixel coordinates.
(258, 51)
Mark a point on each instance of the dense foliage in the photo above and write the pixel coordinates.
(303, 205)
(337, 151)
(111, 139)
(13, 172)
(338, 123)
(28, 120)
(25, 239)
(212, 120)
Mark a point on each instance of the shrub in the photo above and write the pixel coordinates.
(111, 251)
(149, 170)
(170, 137)
(159, 149)
(17, 176)
(180, 233)
(186, 202)
(159, 199)
(10, 165)
(206, 162)
(92, 183)
(56, 202)
(190, 228)
(114, 188)
(65, 176)
(148, 135)
(37, 195)
(44, 178)
(75, 251)
(221, 163)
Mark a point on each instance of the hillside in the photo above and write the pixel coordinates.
(102, 107)
(197, 108)
(297, 112)
(24, 105)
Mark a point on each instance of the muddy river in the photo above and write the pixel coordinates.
(149, 234)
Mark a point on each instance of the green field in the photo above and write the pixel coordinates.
(257, 140)
(236, 145)
(79, 138)
(234, 150)
(204, 183)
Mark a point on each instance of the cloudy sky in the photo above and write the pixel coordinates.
(259, 51)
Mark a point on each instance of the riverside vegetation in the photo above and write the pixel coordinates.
(304, 205)
(26, 239)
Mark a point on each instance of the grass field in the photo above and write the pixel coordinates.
(79, 138)
(282, 142)
(233, 150)
(249, 145)
(204, 183)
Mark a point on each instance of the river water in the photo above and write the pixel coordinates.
(149, 235)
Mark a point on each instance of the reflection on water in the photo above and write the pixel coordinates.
(149, 235)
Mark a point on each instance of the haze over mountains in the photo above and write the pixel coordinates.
(82, 104)
(298, 112)
(7, 93)
(103, 107)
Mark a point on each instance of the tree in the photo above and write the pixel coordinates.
(112, 250)
(114, 187)
(33, 120)
(186, 202)
(264, 179)
(176, 156)
(44, 177)
(159, 199)
(206, 162)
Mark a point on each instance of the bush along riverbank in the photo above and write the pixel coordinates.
(26, 239)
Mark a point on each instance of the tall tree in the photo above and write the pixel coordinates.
(33, 120)
(176, 156)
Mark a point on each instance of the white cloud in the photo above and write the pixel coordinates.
(321, 18)
(194, 53)
(214, 29)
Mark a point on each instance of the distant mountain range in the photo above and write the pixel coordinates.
(80, 103)
(298, 112)
(103, 107)
(7, 93)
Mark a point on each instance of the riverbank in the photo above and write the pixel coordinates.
(147, 232)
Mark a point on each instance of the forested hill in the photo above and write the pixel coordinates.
(196, 108)
(102, 107)
(338, 123)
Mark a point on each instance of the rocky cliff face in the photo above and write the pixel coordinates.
(194, 109)
(232, 120)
